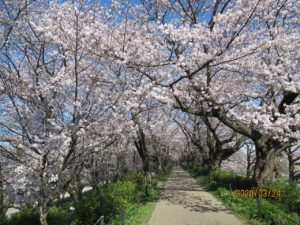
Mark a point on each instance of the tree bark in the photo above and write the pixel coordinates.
(43, 201)
(215, 165)
(142, 150)
(249, 170)
(250, 160)
(43, 210)
(266, 148)
(160, 164)
(267, 151)
(291, 165)
(2, 207)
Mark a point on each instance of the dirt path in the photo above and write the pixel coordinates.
(184, 202)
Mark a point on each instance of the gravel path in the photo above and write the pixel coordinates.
(184, 202)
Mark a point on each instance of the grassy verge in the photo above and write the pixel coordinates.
(140, 213)
(136, 214)
(255, 211)
(128, 193)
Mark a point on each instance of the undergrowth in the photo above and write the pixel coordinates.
(129, 193)
(284, 210)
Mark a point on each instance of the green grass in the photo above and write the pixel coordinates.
(261, 211)
(270, 212)
(129, 193)
(136, 214)
(140, 213)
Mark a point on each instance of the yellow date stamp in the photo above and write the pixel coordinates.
(261, 193)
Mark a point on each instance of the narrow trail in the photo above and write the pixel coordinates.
(185, 202)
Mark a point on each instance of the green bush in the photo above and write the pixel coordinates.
(269, 213)
(58, 215)
(121, 193)
(135, 178)
(263, 211)
(202, 171)
(226, 179)
(153, 194)
(224, 195)
(290, 194)
(27, 216)
(93, 205)
(162, 176)
(109, 200)
(273, 214)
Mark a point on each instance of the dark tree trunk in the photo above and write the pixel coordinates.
(218, 154)
(291, 165)
(250, 159)
(2, 207)
(215, 159)
(43, 211)
(291, 172)
(266, 148)
(43, 200)
(146, 166)
(265, 170)
(142, 150)
(249, 170)
(214, 165)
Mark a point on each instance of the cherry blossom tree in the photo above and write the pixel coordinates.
(195, 132)
(233, 60)
(11, 12)
(59, 99)
(214, 141)
(221, 142)
(80, 82)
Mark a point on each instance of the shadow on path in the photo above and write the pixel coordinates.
(192, 202)
(181, 189)
(185, 202)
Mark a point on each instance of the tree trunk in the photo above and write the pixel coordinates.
(291, 168)
(267, 151)
(146, 167)
(160, 169)
(142, 150)
(43, 210)
(2, 208)
(215, 164)
(250, 160)
(249, 170)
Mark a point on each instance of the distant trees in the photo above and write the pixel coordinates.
(213, 141)
(293, 155)
(250, 148)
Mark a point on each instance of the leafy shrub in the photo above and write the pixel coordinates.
(135, 178)
(273, 214)
(203, 171)
(107, 201)
(268, 213)
(212, 186)
(223, 194)
(58, 215)
(272, 211)
(152, 195)
(226, 179)
(154, 182)
(199, 171)
(290, 196)
(121, 193)
(93, 205)
(27, 216)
